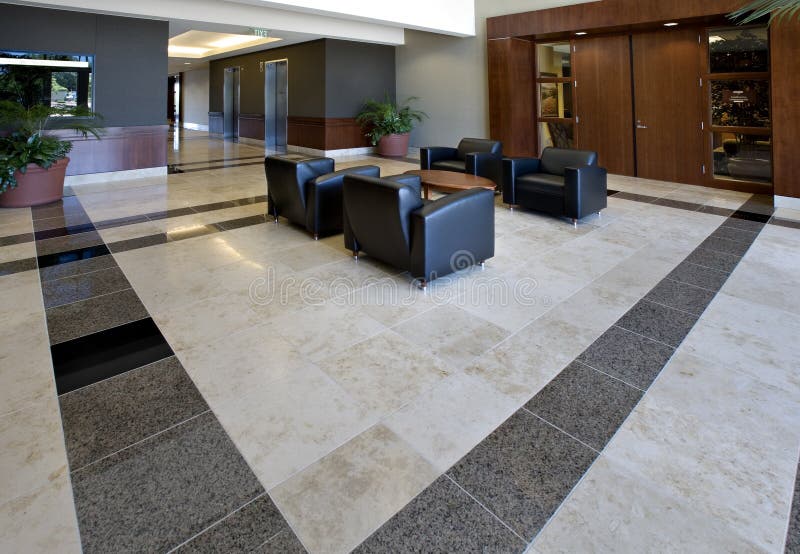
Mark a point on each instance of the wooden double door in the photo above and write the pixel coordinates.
(639, 103)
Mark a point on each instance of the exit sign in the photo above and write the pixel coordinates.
(263, 33)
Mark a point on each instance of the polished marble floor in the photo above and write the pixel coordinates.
(179, 373)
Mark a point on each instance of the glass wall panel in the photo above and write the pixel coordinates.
(56, 80)
(740, 103)
(553, 60)
(555, 100)
(557, 134)
(739, 50)
(742, 157)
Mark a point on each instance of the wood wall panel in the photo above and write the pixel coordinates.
(325, 133)
(251, 125)
(120, 149)
(604, 101)
(511, 96)
(785, 56)
(605, 14)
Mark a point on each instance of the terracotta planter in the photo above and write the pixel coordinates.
(393, 145)
(36, 186)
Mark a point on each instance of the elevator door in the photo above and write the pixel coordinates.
(276, 103)
(230, 129)
(668, 106)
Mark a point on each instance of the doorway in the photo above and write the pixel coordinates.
(230, 114)
(276, 103)
(174, 100)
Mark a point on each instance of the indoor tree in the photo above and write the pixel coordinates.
(777, 10)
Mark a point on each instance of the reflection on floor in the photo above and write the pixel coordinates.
(223, 383)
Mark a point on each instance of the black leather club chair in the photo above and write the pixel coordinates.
(562, 182)
(475, 156)
(387, 219)
(308, 192)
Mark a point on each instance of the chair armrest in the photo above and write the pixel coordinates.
(484, 164)
(324, 198)
(513, 168)
(432, 154)
(412, 181)
(585, 190)
(452, 233)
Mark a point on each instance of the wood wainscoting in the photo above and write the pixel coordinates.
(251, 125)
(326, 133)
(119, 149)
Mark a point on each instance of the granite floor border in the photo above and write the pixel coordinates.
(599, 398)
(125, 428)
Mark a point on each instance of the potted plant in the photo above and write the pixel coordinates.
(33, 164)
(387, 124)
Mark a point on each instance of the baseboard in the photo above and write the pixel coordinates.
(91, 178)
(195, 126)
(364, 151)
(787, 202)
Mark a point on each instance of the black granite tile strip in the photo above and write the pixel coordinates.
(793, 533)
(218, 160)
(635, 197)
(611, 192)
(214, 206)
(70, 265)
(177, 212)
(121, 221)
(782, 222)
(68, 243)
(86, 360)
(716, 210)
(220, 166)
(139, 242)
(17, 266)
(712, 259)
(16, 239)
(443, 518)
(699, 276)
(658, 322)
(67, 206)
(72, 321)
(734, 234)
(67, 290)
(242, 222)
(285, 542)
(191, 232)
(153, 495)
(111, 415)
(681, 296)
(727, 246)
(62, 222)
(751, 216)
(680, 204)
(64, 231)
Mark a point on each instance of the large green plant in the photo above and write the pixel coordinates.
(776, 9)
(26, 140)
(380, 119)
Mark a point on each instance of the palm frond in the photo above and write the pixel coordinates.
(777, 10)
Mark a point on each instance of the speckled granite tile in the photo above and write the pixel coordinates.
(681, 296)
(249, 527)
(139, 242)
(585, 403)
(79, 267)
(443, 518)
(284, 542)
(727, 246)
(94, 314)
(17, 266)
(66, 243)
(658, 322)
(744, 224)
(698, 276)
(75, 219)
(732, 233)
(523, 471)
(65, 206)
(793, 534)
(713, 259)
(627, 356)
(81, 287)
(110, 415)
(162, 491)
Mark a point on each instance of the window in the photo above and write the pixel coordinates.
(52, 79)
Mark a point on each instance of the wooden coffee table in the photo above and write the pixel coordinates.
(450, 181)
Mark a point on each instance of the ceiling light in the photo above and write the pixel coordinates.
(670, 24)
(187, 63)
(233, 40)
(580, 33)
(188, 50)
(715, 38)
(43, 63)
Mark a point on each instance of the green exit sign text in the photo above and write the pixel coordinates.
(263, 33)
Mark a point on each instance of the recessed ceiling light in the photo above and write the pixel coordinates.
(580, 33)
(187, 63)
(670, 24)
(233, 40)
(189, 50)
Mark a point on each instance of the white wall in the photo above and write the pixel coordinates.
(450, 75)
(195, 86)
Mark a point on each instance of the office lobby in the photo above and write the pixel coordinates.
(188, 365)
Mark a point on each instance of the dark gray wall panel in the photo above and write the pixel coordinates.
(354, 72)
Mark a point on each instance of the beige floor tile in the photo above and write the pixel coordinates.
(385, 372)
(393, 299)
(42, 521)
(17, 252)
(339, 501)
(284, 426)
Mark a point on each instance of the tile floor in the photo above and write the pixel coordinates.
(178, 373)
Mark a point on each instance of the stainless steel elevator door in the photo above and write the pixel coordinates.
(230, 128)
(276, 104)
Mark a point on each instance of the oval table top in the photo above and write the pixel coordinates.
(450, 181)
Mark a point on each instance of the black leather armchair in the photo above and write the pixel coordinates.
(308, 192)
(387, 219)
(562, 182)
(480, 157)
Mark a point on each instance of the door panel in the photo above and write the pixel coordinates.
(604, 101)
(668, 106)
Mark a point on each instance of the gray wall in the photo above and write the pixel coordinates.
(195, 90)
(130, 56)
(450, 76)
(355, 72)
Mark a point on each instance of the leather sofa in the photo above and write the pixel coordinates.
(562, 182)
(308, 191)
(387, 219)
(475, 156)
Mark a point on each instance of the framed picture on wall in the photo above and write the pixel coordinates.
(548, 100)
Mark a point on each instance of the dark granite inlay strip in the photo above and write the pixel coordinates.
(17, 266)
(64, 231)
(221, 166)
(68, 243)
(96, 314)
(680, 204)
(661, 323)
(16, 239)
(82, 287)
(86, 360)
(71, 220)
(177, 212)
(731, 247)
(713, 259)
(108, 416)
(139, 242)
(73, 255)
(284, 542)
(793, 533)
(242, 222)
(77, 267)
(121, 221)
(681, 296)
(699, 276)
(781, 222)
